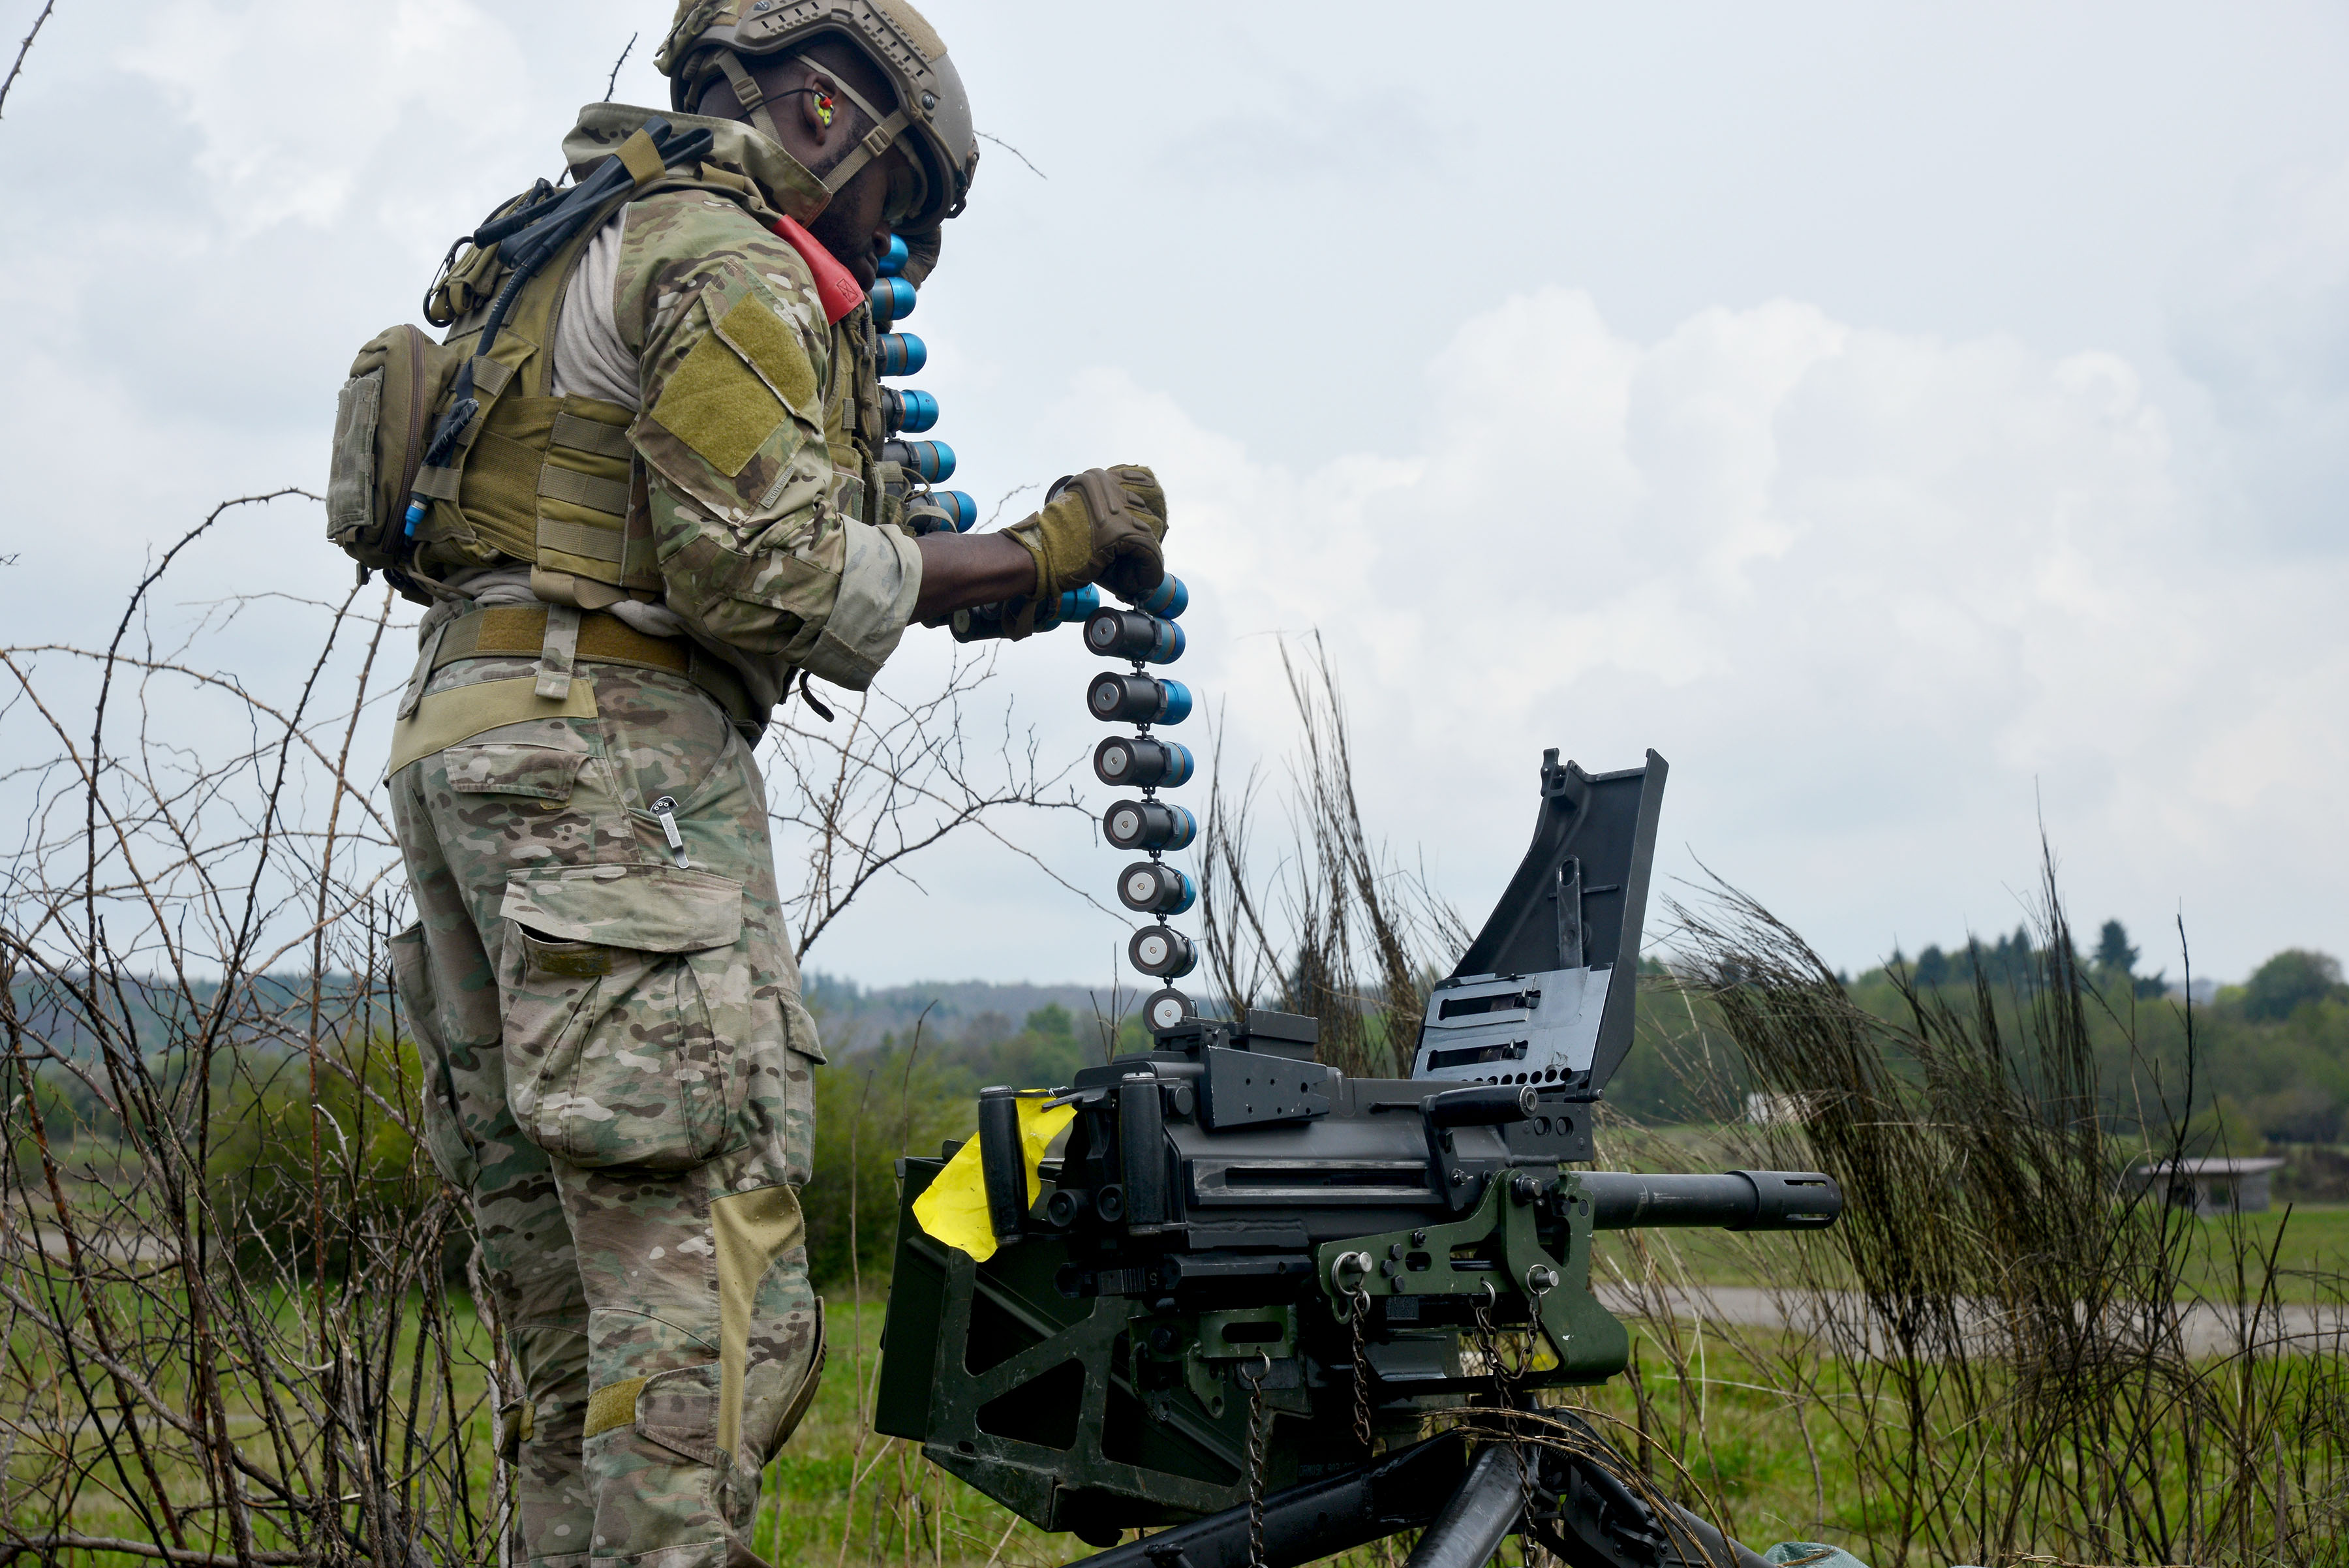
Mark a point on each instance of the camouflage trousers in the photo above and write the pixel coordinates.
(617, 1073)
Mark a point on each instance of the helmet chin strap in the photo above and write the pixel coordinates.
(876, 142)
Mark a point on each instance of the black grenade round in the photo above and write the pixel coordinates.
(1152, 888)
(1162, 953)
(1149, 825)
(1142, 761)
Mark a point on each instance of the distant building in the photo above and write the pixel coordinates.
(2208, 1187)
(1778, 1110)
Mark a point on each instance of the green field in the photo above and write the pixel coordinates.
(841, 1495)
(1747, 1425)
(1752, 1427)
(1739, 1444)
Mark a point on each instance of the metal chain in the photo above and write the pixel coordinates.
(1362, 1370)
(1488, 1344)
(1530, 1454)
(1255, 1436)
(1504, 1379)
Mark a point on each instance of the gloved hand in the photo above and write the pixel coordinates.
(1103, 526)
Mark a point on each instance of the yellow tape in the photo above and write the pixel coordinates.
(954, 1208)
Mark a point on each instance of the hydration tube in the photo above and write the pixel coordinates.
(527, 238)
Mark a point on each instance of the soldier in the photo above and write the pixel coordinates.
(671, 504)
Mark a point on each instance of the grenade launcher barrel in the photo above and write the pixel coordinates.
(1738, 1200)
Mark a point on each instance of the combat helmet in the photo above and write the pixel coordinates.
(933, 114)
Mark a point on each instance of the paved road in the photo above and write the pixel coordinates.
(2207, 1330)
(99, 1247)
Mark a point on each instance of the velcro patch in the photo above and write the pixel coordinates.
(717, 406)
(774, 349)
(570, 960)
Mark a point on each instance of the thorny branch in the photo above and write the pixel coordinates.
(629, 48)
(890, 778)
(1015, 153)
(18, 69)
(232, 1314)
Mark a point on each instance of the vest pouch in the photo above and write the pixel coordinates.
(469, 284)
(382, 421)
(471, 277)
(467, 523)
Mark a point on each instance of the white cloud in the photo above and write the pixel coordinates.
(1875, 595)
(297, 148)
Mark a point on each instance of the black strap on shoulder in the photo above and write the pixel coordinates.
(531, 234)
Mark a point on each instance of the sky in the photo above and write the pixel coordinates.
(1922, 425)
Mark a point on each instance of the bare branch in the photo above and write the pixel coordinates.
(613, 86)
(1015, 153)
(854, 802)
(1335, 898)
(17, 69)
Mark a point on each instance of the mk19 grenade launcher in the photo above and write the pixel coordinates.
(1233, 1295)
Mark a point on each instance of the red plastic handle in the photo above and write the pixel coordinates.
(835, 285)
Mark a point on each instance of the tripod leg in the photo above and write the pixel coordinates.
(1400, 1490)
(1599, 1523)
(1713, 1550)
(1480, 1515)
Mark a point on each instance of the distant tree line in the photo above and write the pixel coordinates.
(2269, 1063)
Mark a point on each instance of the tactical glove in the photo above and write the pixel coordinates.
(1103, 526)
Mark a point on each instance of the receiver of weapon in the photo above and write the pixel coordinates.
(1231, 1235)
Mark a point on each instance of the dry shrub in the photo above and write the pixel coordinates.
(232, 1286)
(1335, 929)
(2016, 1346)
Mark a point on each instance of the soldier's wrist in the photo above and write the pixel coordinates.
(1032, 542)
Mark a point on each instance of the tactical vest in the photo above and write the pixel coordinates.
(544, 480)
(853, 428)
(549, 481)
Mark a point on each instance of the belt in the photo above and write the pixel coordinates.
(603, 638)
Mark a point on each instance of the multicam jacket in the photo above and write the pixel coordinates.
(757, 514)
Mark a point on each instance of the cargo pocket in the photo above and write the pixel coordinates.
(803, 1396)
(544, 773)
(676, 1409)
(444, 1131)
(802, 1056)
(627, 996)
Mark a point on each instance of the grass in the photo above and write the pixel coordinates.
(1736, 1439)
(49, 1419)
(1715, 1432)
(839, 1495)
(2315, 1244)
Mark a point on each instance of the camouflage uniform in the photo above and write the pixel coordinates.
(616, 1057)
